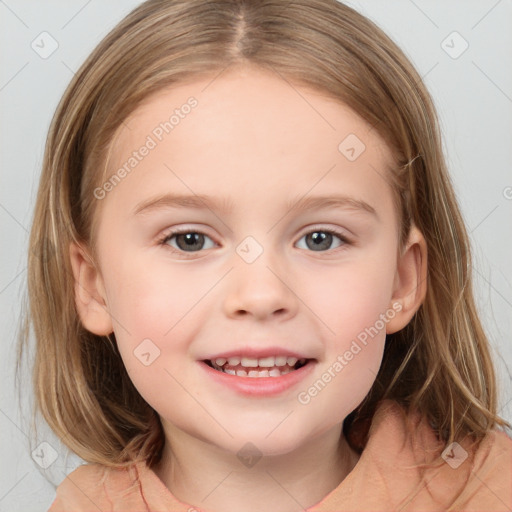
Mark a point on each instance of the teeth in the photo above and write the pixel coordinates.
(248, 362)
(277, 366)
(291, 361)
(267, 362)
(264, 362)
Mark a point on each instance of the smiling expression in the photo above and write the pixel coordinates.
(261, 224)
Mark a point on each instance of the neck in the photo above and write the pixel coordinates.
(215, 480)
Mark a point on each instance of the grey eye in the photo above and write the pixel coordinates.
(321, 240)
(189, 241)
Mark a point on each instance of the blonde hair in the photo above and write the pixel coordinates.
(439, 364)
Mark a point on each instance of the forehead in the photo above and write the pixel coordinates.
(248, 130)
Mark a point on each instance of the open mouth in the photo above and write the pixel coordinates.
(265, 367)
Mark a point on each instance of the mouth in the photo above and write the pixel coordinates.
(257, 368)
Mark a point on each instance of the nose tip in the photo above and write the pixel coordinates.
(258, 292)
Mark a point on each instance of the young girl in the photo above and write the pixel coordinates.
(251, 287)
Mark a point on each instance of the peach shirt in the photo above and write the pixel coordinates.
(384, 478)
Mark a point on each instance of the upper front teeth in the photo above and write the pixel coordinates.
(249, 362)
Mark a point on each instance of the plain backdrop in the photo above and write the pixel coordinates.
(463, 50)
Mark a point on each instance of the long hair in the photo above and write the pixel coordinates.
(439, 364)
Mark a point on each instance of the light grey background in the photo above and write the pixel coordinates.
(473, 93)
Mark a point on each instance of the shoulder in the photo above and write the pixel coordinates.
(74, 492)
(467, 475)
(96, 487)
(134, 488)
(492, 470)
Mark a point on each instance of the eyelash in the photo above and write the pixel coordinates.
(179, 231)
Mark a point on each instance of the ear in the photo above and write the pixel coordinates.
(90, 297)
(410, 284)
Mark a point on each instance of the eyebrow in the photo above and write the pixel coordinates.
(225, 205)
(197, 201)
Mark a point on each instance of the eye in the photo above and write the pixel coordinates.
(186, 240)
(320, 240)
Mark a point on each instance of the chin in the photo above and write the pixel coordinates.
(262, 444)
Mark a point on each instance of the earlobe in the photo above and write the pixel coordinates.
(90, 298)
(410, 285)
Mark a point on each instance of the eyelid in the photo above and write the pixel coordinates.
(169, 233)
(342, 234)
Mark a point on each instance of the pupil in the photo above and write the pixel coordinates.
(321, 240)
(191, 239)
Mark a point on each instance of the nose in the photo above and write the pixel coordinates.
(259, 290)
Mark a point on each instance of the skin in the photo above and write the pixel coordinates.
(255, 140)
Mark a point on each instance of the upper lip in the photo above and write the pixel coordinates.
(257, 353)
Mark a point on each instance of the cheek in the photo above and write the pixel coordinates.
(353, 303)
(149, 300)
(158, 312)
(351, 297)
(146, 304)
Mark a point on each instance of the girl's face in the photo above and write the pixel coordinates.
(292, 249)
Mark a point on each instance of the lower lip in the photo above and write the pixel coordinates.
(260, 386)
